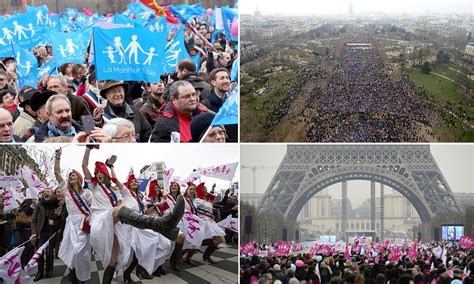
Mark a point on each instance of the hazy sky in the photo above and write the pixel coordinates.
(336, 7)
(183, 157)
(456, 162)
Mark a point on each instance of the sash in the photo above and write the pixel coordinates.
(137, 198)
(92, 99)
(81, 205)
(110, 194)
(204, 212)
(194, 210)
(170, 197)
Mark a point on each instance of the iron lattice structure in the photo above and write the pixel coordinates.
(308, 169)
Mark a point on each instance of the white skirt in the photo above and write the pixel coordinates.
(151, 248)
(212, 229)
(75, 250)
(102, 238)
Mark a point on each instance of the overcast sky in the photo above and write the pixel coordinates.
(456, 162)
(182, 157)
(336, 7)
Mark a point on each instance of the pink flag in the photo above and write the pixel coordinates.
(347, 253)
(282, 248)
(412, 252)
(466, 242)
(10, 265)
(396, 254)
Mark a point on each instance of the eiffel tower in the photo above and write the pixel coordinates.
(409, 169)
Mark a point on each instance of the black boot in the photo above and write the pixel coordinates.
(142, 273)
(161, 270)
(175, 257)
(166, 226)
(72, 275)
(208, 252)
(108, 275)
(189, 256)
(127, 278)
(38, 277)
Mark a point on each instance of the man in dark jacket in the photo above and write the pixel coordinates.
(44, 225)
(186, 70)
(153, 103)
(60, 121)
(174, 125)
(79, 105)
(114, 92)
(220, 82)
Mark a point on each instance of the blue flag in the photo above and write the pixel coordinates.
(229, 112)
(175, 52)
(158, 25)
(20, 30)
(129, 54)
(69, 47)
(123, 20)
(53, 23)
(49, 68)
(184, 13)
(26, 66)
(41, 14)
(142, 13)
(234, 73)
(228, 16)
(197, 59)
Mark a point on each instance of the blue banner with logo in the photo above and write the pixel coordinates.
(229, 112)
(123, 20)
(49, 68)
(20, 30)
(26, 66)
(142, 13)
(228, 16)
(69, 47)
(175, 52)
(129, 54)
(158, 25)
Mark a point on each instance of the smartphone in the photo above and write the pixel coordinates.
(88, 123)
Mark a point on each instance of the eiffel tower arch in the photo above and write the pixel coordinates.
(307, 169)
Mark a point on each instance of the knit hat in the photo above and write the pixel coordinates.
(200, 124)
(101, 167)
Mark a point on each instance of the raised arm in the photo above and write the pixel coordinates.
(114, 177)
(85, 163)
(57, 166)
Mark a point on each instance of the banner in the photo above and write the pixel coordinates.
(26, 66)
(49, 68)
(175, 52)
(282, 248)
(466, 242)
(9, 202)
(225, 172)
(229, 112)
(230, 223)
(69, 47)
(10, 265)
(10, 181)
(193, 177)
(193, 226)
(141, 13)
(128, 54)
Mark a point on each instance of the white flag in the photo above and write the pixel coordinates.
(9, 202)
(10, 181)
(32, 267)
(167, 173)
(225, 172)
(34, 183)
(230, 223)
(10, 265)
(193, 177)
(193, 226)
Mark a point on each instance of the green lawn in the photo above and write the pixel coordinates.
(436, 86)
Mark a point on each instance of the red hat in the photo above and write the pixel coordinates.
(101, 167)
(130, 178)
(81, 179)
(151, 191)
(200, 191)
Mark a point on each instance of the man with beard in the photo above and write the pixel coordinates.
(114, 92)
(151, 107)
(220, 82)
(60, 121)
(43, 226)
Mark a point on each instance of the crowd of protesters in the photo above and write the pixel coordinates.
(110, 217)
(456, 266)
(178, 108)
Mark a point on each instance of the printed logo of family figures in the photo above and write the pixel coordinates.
(18, 31)
(27, 66)
(70, 48)
(132, 50)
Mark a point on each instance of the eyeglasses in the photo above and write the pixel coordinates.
(128, 136)
(9, 124)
